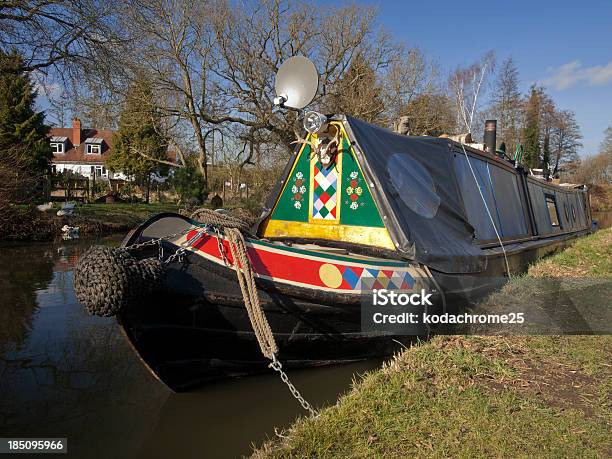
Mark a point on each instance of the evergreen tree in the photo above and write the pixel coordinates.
(429, 114)
(606, 144)
(507, 103)
(22, 129)
(358, 93)
(138, 142)
(189, 185)
(531, 131)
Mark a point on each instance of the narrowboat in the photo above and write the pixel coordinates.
(357, 208)
(386, 212)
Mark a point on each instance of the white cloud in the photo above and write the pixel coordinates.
(567, 75)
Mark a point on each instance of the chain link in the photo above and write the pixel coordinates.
(221, 247)
(160, 251)
(155, 241)
(277, 366)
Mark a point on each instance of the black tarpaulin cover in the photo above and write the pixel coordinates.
(416, 190)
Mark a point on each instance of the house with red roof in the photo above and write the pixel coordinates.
(84, 152)
(81, 151)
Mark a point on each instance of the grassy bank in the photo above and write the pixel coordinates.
(472, 396)
(116, 217)
(28, 223)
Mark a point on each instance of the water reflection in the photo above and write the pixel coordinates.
(21, 275)
(63, 373)
(604, 219)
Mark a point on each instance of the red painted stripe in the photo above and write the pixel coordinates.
(279, 266)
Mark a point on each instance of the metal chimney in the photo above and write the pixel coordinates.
(490, 135)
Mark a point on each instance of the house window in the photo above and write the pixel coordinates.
(552, 210)
(93, 149)
(57, 148)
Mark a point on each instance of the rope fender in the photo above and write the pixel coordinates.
(107, 279)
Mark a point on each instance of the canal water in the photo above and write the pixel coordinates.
(66, 374)
(604, 219)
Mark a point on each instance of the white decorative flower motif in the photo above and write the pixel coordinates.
(297, 204)
(349, 190)
(354, 174)
(302, 189)
(358, 191)
(354, 205)
(294, 189)
(299, 176)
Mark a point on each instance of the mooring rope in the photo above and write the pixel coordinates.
(233, 228)
(246, 279)
(488, 211)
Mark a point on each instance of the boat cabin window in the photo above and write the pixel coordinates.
(500, 190)
(552, 210)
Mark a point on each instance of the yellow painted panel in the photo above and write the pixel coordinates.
(378, 237)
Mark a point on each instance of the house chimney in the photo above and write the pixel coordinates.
(76, 132)
(490, 135)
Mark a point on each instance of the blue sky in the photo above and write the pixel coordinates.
(564, 45)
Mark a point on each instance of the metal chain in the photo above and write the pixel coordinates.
(221, 248)
(178, 254)
(160, 252)
(155, 241)
(277, 366)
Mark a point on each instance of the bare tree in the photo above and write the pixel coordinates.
(213, 62)
(565, 139)
(254, 40)
(59, 34)
(358, 93)
(467, 85)
(594, 169)
(408, 77)
(427, 114)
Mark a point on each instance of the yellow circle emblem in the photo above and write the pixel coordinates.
(330, 275)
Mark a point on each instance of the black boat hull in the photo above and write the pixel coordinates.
(197, 330)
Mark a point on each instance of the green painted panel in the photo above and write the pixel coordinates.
(358, 208)
(293, 203)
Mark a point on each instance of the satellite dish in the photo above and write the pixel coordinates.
(296, 82)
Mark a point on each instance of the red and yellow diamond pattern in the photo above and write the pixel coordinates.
(324, 197)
